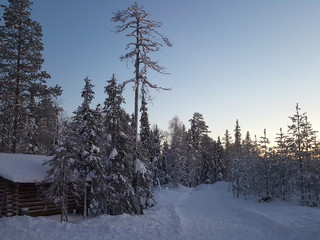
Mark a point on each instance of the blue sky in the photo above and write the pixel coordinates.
(247, 60)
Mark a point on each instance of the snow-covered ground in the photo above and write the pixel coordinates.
(207, 212)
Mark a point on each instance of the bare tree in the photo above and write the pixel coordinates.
(135, 20)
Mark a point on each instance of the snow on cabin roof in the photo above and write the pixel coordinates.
(23, 168)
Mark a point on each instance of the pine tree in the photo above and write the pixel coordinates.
(143, 184)
(198, 129)
(197, 133)
(85, 127)
(219, 159)
(119, 154)
(157, 163)
(285, 170)
(227, 155)
(22, 82)
(248, 148)
(237, 139)
(265, 167)
(315, 172)
(298, 147)
(209, 158)
(165, 176)
(143, 178)
(177, 159)
(61, 178)
(115, 118)
(237, 169)
(46, 118)
(306, 172)
(145, 132)
(146, 40)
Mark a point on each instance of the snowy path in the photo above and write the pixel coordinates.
(208, 212)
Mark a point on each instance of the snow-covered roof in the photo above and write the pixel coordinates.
(23, 168)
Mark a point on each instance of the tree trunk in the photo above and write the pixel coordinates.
(17, 93)
(16, 107)
(15, 120)
(137, 80)
(85, 202)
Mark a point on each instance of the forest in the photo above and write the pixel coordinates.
(114, 159)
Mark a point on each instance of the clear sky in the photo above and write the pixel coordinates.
(250, 60)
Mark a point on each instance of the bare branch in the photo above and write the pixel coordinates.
(144, 80)
(126, 82)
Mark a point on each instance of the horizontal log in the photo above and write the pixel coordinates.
(42, 208)
(40, 213)
(31, 191)
(44, 205)
(30, 200)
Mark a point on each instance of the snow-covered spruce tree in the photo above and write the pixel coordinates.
(165, 177)
(145, 132)
(310, 198)
(85, 125)
(197, 132)
(237, 165)
(99, 186)
(248, 145)
(46, 118)
(61, 177)
(177, 159)
(315, 171)
(265, 170)
(119, 154)
(227, 155)
(311, 175)
(149, 141)
(295, 145)
(209, 157)
(143, 164)
(142, 184)
(237, 148)
(146, 39)
(284, 186)
(22, 82)
(219, 160)
(242, 158)
(158, 163)
(299, 148)
(247, 167)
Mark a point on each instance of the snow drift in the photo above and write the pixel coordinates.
(206, 212)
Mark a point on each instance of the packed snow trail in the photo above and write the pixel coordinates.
(207, 212)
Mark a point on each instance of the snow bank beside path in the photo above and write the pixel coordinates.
(206, 212)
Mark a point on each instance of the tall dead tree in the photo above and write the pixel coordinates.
(146, 39)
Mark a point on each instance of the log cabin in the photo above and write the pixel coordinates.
(20, 191)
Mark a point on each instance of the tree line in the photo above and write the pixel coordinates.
(290, 168)
(101, 155)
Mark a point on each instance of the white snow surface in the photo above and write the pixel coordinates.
(23, 168)
(113, 154)
(139, 167)
(207, 212)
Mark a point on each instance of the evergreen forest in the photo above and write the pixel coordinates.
(113, 159)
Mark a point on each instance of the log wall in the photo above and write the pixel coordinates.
(19, 196)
